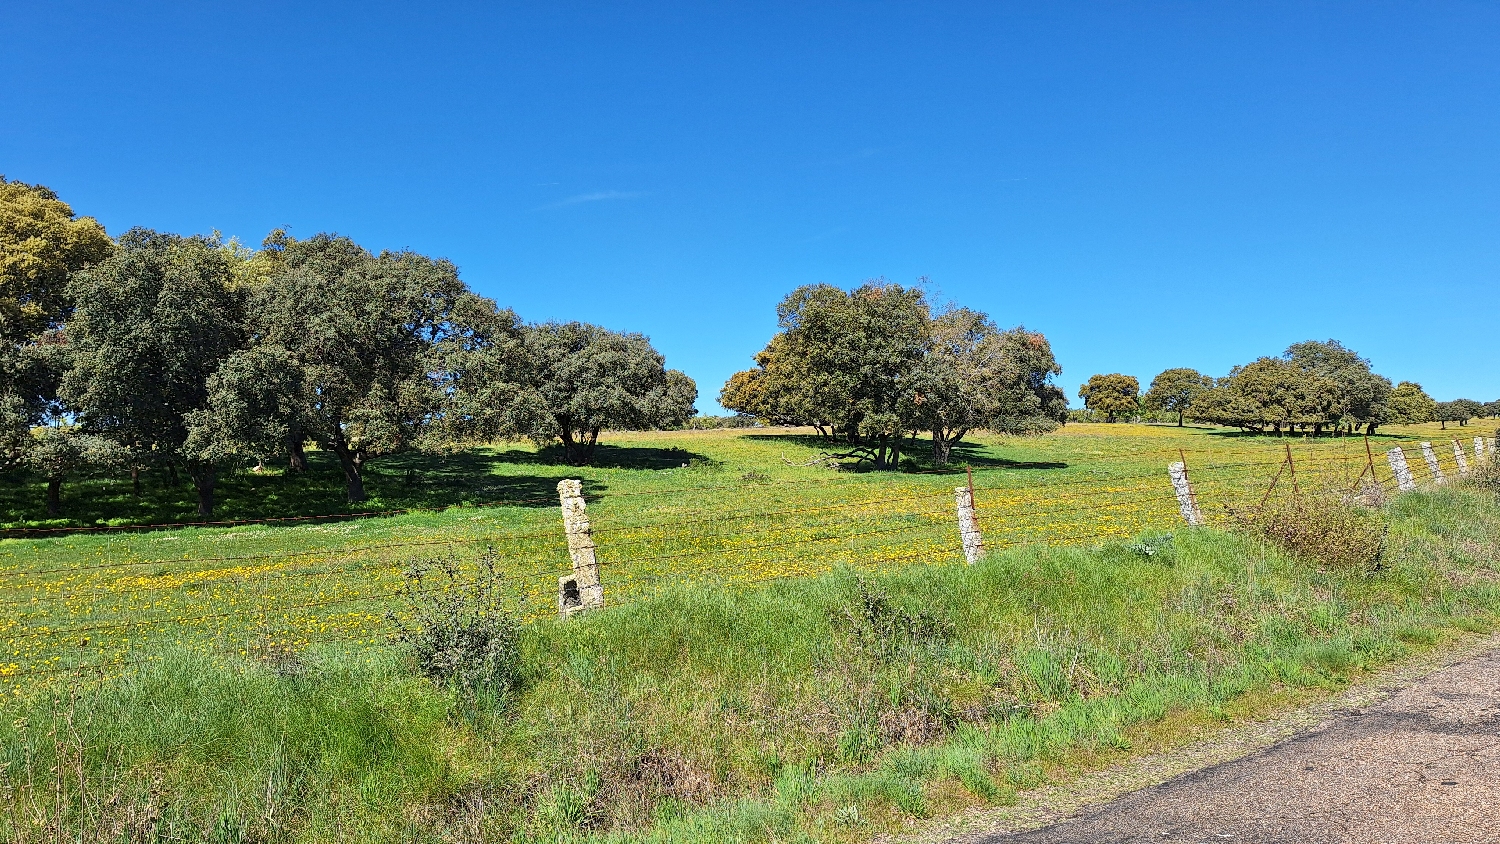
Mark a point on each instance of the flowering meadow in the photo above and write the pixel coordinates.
(667, 509)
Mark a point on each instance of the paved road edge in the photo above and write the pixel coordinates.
(1057, 802)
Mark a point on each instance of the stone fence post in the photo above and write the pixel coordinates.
(968, 528)
(1433, 468)
(1460, 458)
(1187, 503)
(1478, 449)
(580, 590)
(1397, 459)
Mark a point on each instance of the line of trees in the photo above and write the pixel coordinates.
(187, 354)
(868, 366)
(1312, 387)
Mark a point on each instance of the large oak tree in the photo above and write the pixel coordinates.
(152, 323)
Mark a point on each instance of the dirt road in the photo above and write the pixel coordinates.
(1421, 766)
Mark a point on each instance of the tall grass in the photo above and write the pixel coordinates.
(828, 708)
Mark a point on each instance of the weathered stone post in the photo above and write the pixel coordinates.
(1479, 449)
(1460, 458)
(1433, 468)
(968, 528)
(1397, 459)
(1186, 502)
(581, 590)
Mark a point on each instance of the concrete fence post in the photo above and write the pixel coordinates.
(1479, 449)
(580, 590)
(1397, 459)
(1185, 500)
(1433, 468)
(968, 528)
(1461, 459)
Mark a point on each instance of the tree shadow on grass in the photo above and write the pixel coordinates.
(1271, 437)
(611, 457)
(919, 458)
(398, 482)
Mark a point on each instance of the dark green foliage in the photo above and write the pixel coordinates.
(868, 365)
(1458, 410)
(353, 338)
(1313, 386)
(583, 379)
(152, 323)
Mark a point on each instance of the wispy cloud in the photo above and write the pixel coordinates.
(598, 196)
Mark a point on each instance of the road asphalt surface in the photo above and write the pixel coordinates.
(1419, 767)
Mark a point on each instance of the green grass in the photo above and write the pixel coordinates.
(743, 713)
(239, 685)
(746, 508)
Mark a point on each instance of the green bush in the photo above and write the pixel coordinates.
(460, 630)
(1319, 527)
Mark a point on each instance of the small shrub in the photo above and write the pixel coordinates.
(1319, 527)
(459, 629)
(1485, 474)
(884, 629)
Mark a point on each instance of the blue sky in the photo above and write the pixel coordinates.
(1151, 185)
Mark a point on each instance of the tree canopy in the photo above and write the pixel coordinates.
(584, 379)
(1111, 395)
(1173, 391)
(867, 365)
(152, 323)
(347, 340)
(1313, 386)
(42, 242)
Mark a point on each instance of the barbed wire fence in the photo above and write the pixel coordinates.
(584, 566)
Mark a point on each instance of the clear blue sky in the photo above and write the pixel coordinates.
(1151, 185)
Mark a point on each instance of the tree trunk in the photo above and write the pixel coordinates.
(204, 478)
(135, 480)
(578, 451)
(896, 452)
(296, 461)
(942, 447)
(172, 477)
(353, 464)
(54, 495)
(1179, 418)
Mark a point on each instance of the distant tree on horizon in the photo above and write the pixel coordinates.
(1111, 395)
(1173, 391)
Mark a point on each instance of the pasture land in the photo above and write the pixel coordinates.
(669, 509)
(792, 653)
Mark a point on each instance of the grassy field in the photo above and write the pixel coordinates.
(669, 509)
(822, 708)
